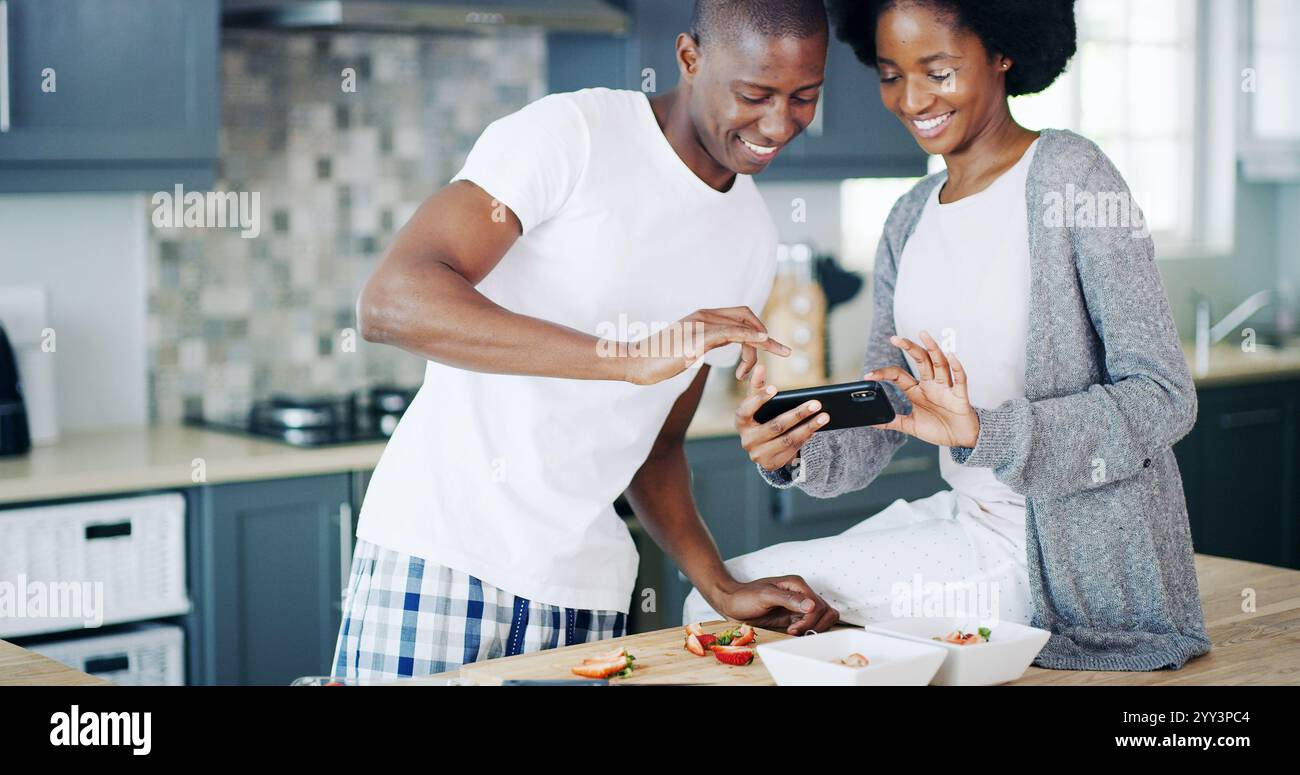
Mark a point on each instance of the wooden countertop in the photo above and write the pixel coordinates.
(1249, 648)
(20, 667)
(162, 456)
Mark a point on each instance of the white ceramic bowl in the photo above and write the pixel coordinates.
(1011, 648)
(811, 660)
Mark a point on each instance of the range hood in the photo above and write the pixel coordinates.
(426, 16)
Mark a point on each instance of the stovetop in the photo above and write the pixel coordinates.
(318, 421)
(297, 437)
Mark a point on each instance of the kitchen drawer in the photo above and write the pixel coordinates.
(101, 561)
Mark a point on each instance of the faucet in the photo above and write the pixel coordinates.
(1207, 334)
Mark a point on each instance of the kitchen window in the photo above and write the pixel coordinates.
(1140, 87)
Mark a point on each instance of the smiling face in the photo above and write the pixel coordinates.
(940, 80)
(751, 96)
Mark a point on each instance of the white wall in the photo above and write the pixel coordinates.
(89, 251)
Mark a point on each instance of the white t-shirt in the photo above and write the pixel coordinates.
(512, 479)
(964, 278)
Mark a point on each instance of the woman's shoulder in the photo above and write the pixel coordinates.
(1064, 156)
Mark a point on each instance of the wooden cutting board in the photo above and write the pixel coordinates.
(660, 659)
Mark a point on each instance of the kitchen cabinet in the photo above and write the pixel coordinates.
(267, 565)
(109, 95)
(1240, 470)
(853, 135)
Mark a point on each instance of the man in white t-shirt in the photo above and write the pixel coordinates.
(570, 288)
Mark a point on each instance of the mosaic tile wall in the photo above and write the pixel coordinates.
(232, 320)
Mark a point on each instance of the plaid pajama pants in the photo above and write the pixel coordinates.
(404, 617)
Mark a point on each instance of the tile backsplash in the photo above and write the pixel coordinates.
(337, 172)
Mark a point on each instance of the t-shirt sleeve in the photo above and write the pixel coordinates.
(756, 299)
(532, 159)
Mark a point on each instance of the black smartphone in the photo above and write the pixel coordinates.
(850, 405)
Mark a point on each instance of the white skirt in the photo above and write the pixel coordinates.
(937, 556)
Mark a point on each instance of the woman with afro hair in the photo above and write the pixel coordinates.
(1056, 422)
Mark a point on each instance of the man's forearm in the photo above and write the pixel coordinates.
(439, 316)
(660, 494)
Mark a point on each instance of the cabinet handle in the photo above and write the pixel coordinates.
(1250, 419)
(345, 546)
(4, 65)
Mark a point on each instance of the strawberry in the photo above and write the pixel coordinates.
(744, 636)
(694, 629)
(594, 668)
(706, 640)
(733, 655)
(608, 656)
(694, 646)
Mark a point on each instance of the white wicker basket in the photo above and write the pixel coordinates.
(77, 565)
(146, 655)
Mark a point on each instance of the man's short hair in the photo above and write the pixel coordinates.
(728, 19)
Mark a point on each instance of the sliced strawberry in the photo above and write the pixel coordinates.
(608, 656)
(694, 629)
(694, 646)
(605, 669)
(733, 655)
(744, 636)
(706, 640)
(600, 669)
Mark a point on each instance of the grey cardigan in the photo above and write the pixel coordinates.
(1107, 394)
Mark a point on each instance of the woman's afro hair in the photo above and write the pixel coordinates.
(1038, 35)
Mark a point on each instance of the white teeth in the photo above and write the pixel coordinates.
(931, 123)
(758, 149)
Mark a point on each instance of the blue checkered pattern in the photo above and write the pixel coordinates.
(404, 617)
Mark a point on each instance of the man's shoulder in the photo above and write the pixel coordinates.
(599, 105)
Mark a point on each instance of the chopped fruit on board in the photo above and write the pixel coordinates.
(693, 645)
(733, 655)
(855, 660)
(960, 638)
(698, 642)
(744, 636)
(608, 665)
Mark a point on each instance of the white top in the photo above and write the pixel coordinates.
(964, 278)
(512, 479)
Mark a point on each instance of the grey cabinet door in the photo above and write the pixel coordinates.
(268, 567)
(1244, 504)
(135, 86)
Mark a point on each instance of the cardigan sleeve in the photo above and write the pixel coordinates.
(835, 462)
(1058, 446)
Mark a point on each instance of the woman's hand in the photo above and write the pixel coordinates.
(941, 409)
(776, 442)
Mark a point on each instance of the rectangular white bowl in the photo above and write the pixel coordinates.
(1011, 648)
(810, 660)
